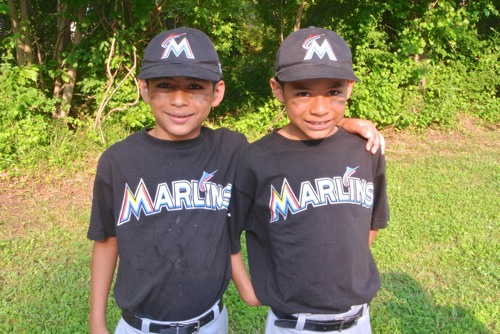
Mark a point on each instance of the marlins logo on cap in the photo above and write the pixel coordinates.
(170, 45)
(313, 53)
(313, 48)
(182, 52)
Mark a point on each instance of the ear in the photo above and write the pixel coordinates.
(350, 86)
(277, 90)
(143, 87)
(219, 90)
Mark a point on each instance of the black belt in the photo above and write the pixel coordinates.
(172, 328)
(289, 321)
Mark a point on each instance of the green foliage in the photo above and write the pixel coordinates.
(26, 116)
(4, 8)
(138, 117)
(30, 139)
(256, 124)
(421, 63)
(482, 89)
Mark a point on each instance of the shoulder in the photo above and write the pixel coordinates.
(133, 138)
(258, 150)
(225, 137)
(225, 132)
(352, 142)
(123, 149)
(350, 137)
(259, 143)
(265, 140)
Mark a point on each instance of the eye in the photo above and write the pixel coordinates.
(302, 94)
(164, 85)
(195, 86)
(334, 92)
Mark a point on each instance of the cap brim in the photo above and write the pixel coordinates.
(178, 70)
(316, 71)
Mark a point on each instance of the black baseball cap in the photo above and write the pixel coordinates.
(313, 53)
(181, 52)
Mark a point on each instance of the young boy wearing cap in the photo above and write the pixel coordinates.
(312, 210)
(161, 197)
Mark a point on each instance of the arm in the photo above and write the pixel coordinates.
(365, 129)
(104, 257)
(373, 234)
(242, 281)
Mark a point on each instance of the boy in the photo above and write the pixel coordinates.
(313, 208)
(161, 197)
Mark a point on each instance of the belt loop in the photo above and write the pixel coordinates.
(301, 321)
(145, 325)
(216, 309)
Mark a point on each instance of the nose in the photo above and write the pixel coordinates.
(179, 98)
(319, 105)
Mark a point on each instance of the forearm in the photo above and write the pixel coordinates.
(373, 234)
(242, 280)
(104, 258)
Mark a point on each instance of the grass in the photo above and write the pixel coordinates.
(438, 259)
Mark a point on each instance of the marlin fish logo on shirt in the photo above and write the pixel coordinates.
(179, 195)
(323, 191)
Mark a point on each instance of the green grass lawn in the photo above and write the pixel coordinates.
(438, 258)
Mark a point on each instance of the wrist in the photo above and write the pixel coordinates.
(341, 122)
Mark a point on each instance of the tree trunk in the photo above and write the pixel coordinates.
(17, 32)
(59, 46)
(62, 25)
(299, 16)
(26, 31)
(69, 88)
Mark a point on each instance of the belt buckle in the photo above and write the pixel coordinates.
(177, 327)
(170, 328)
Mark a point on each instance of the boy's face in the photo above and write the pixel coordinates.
(180, 105)
(314, 106)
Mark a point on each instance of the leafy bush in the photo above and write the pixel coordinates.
(26, 115)
(422, 63)
(436, 68)
(138, 117)
(255, 124)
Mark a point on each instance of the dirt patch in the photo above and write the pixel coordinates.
(470, 135)
(36, 202)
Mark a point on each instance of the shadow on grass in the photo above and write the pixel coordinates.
(406, 308)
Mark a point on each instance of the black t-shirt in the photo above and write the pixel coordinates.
(166, 202)
(307, 208)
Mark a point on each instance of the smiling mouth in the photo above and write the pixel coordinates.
(179, 119)
(179, 116)
(318, 123)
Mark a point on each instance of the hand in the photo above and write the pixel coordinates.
(367, 130)
(251, 299)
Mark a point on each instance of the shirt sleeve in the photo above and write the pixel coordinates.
(242, 202)
(380, 215)
(102, 218)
